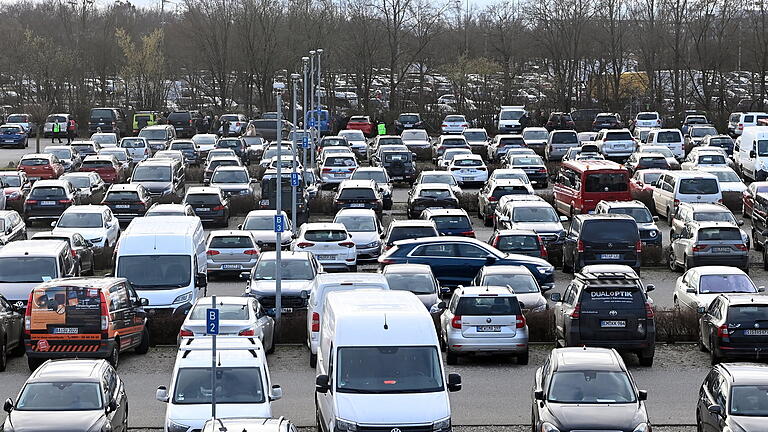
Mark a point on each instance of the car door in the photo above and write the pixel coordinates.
(707, 322)
(264, 322)
(688, 299)
(442, 259)
(560, 311)
(706, 399)
(570, 242)
(10, 321)
(138, 313)
(473, 258)
(112, 226)
(84, 252)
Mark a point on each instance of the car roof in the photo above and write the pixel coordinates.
(285, 255)
(586, 358)
(712, 224)
(745, 373)
(251, 352)
(475, 291)
(712, 270)
(505, 269)
(407, 268)
(604, 216)
(37, 155)
(195, 190)
(97, 282)
(32, 247)
(467, 156)
(357, 184)
(356, 212)
(412, 223)
(229, 233)
(445, 212)
(69, 370)
(506, 232)
(697, 207)
(508, 182)
(324, 226)
(124, 187)
(90, 208)
(50, 183)
(624, 204)
(742, 299)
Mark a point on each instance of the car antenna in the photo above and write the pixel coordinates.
(386, 326)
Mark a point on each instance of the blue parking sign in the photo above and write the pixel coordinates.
(212, 321)
(294, 179)
(305, 142)
(311, 122)
(279, 223)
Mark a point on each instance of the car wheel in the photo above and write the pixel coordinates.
(312, 360)
(646, 361)
(114, 356)
(450, 357)
(143, 346)
(686, 267)
(671, 261)
(522, 359)
(3, 355)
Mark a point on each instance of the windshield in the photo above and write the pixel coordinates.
(132, 143)
(699, 186)
(230, 177)
(417, 283)
(651, 177)
(27, 269)
(154, 134)
(327, 235)
(452, 223)
(607, 182)
(240, 385)
(151, 173)
(414, 135)
(726, 176)
(389, 369)
(605, 231)
(60, 396)
(726, 283)
(520, 283)
(292, 269)
(538, 135)
(526, 161)
(156, 271)
(80, 220)
(534, 214)
(438, 178)
(60, 153)
(259, 223)
(719, 233)
(714, 216)
(104, 139)
(511, 115)
(233, 312)
(640, 215)
(410, 233)
(749, 400)
(357, 223)
(11, 180)
(590, 387)
(377, 176)
(647, 116)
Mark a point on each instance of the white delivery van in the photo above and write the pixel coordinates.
(671, 138)
(379, 365)
(164, 259)
(674, 187)
(328, 282)
(243, 383)
(751, 152)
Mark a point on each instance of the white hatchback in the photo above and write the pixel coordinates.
(335, 168)
(331, 244)
(468, 168)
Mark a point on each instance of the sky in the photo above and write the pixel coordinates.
(171, 3)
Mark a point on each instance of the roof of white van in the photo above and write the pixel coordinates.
(170, 234)
(691, 174)
(251, 354)
(381, 318)
(163, 225)
(350, 278)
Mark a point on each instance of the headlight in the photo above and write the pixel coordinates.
(97, 240)
(545, 427)
(184, 298)
(541, 307)
(442, 425)
(245, 192)
(545, 269)
(176, 427)
(643, 427)
(371, 244)
(14, 195)
(343, 425)
(653, 233)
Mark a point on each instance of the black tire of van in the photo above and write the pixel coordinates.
(114, 356)
(645, 360)
(143, 346)
(312, 360)
(451, 358)
(522, 359)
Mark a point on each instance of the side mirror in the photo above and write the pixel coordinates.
(304, 294)
(53, 224)
(690, 290)
(454, 382)
(240, 226)
(201, 280)
(322, 384)
(538, 395)
(162, 394)
(655, 218)
(563, 218)
(761, 288)
(642, 395)
(556, 297)
(751, 156)
(8, 405)
(740, 222)
(112, 406)
(650, 287)
(143, 301)
(701, 310)
(490, 260)
(275, 393)
(442, 305)
(715, 409)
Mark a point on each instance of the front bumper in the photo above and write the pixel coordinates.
(368, 253)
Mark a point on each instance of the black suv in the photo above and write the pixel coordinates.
(732, 398)
(185, 122)
(734, 326)
(400, 165)
(268, 199)
(108, 120)
(408, 121)
(602, 239)
(606, 310)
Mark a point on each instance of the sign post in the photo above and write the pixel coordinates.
(212, 328)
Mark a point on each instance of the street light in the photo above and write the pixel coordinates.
(319, 83)
(294, 177)
(278, 86)
(312, 103)
(305, 69)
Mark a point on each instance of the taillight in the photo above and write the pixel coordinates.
(580, 246)
(249, 332)
(347, 244)
(104, 312)
(305, 245)
(544, 253)
(218, 208)
(456, 322)
(325, 170)
(542, 170)
(520, 321)
(699, 248)
(73, 252)
(677, 201)
(638, 246)
(741, 247)
(741, 126)
(443, 125)
(492, 199)
(251, 252)
(467, 233)
(28, 315)
(185, 333)
(65, 201)
(315, 322)
(212, 252)
(576, 313)
(190, 122)
(649, 310)
(386, 261)
(722, 333)
(29, 201)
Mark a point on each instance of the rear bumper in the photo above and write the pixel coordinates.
(70, 349)
(515, 344)
(741, 261)
(219, 266)
(647, 345)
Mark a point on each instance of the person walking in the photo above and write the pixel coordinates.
(71, 130)
(216, 125)
(225, 128)
(55, 130)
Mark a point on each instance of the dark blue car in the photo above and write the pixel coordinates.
(13, 136)
(456, 260)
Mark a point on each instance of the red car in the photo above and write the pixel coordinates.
(107, 166)
(361, 123)
(16, 187)
(748, 196)
(39, 166)
(580, 185)
(641, 185)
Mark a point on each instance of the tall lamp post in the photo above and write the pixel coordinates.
(294, 176)
(312, 105)
(278, 87)
(305, 69)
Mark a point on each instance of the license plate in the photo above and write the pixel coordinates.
(610, 256)
(613, 323)
(286, 310)
(47, 203)
(397, 178)
(8, 141)
(758, 332)
(34, 178)
(203, 209)
(721, 249)
(66, 330)
(357, 205)
(326, 257)
(231, 266)
(339, 175)
(264, 202)
(123, 206)
(467, 178)
(179, 128)
(488, 329)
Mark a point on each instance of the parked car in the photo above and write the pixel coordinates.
(209, 204)
(41, 166)
(493, 190)
(517, 279)
(333, 169)
(105, 140)
(121, 154)
(607, 121)
(49, 198)
(81, 249)
(109, 169)
(727, 327)
(650, 234)
(16, 187)
(615, 144)
(599, 239)
(640, 161)
(13, 135)
(12, 227)
(731, 398)
(85, 147)
(439, 177)
(23, 120)
(663, 150)
(533, 166)
(558, 144)
(407, 229)
(365, 230)
(708, 243)
(468, 168)
(12, 331)
(170, 210)
(261, 223)
(237, 124)
(361, 123)
(520, 242)
(298, 270)
(560, 120)
(128, 201)
(749, 194)
(698, 286)
(238, 316)
(536, 138)
(236, 185)
(108, 119)
(416, 278)
(331, 244)
(137, 148)
(453, 124)
(95, 223)
(184, 122)
(674, 187)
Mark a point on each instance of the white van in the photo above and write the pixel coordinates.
(26, 263)
(243, 383)
(737, 122)
(164, 259)
(328, 282)
(671, 138)
(379, 365)
(674, 187)
(751, 152)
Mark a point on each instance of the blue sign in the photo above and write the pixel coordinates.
(212, 321)
(311, 122)
(279, 223)
(294, 179)
(305, 142)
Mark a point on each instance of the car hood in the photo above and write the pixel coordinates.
(87, 233)
(747, 423)
(428, 300)
(530, 300)
(288, 287)
(539, 227)
(509, 122)
(154, 186)
(415, 142)
(377, 408)
(535, 142)
(361, 238)
(195, 415)
(232, 186)
(54, 421)
(597, 416)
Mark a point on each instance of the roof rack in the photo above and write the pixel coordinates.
(205, 343)
(607, 276)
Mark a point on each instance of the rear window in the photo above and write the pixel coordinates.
(325, 235)
(476, 136)
(233, 312)
(701, 132)
(411, 233)
(468, 162)
(720, 233)
(357, 194)
(236, 242)
(259, 223)
(610, 231)
(10, 130)
(408, 118)
(339, 162)
(122, 196)
(605, 119)
(698, 186)
(397, 157)
(73, 306)
(512, 142)
(97, 164)
(509, 190)
(48, 192)
(712, 159)
(488, 306)
(527, 160)
(27, 269)
(179, 116)
(618, 136)
(34, 162)
(721, 142)
(669, 137)
(517, 242)
(452, 222)
(612, 298)
(132, 143)
(98, 113)
(435, 193)
(647, 116)
(203, 199)
(455, 119)
(59, 153)
(748, 313)
(18, 118)
(564, 138)
(606, 182)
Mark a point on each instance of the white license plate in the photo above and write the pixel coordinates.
(721, 249)
(203, 209)
(8, 141)
(264, 202)
(467, 178)
(231, 266)
(488, 329)
(34, 178)
(47, 203)
(66, 330)
(286, 310)
(179, 128)
(123, 206)
(758, 332)
(613, 323)
(326, 257)
(357, 205)
(610, 256)
(339, 175)
(397, 178)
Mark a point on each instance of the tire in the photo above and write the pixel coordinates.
(522, 359)
(20, 348)
(757, 246)
(271, 349)
(143, 346)
(671, 262)
(686, 267)
(312, 360)
(702, 347)
(645, 361)
(451, 358)
(114, 356)
(3, 355)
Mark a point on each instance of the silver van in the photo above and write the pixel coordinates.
(674, 187)
(26, 263)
